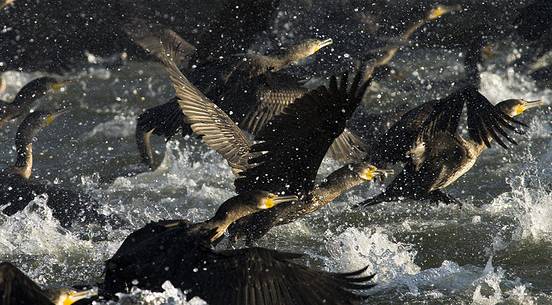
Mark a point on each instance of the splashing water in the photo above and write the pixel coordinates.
(169, 296)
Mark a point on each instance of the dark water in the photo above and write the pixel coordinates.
(495, 249)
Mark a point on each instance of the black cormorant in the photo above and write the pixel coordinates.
(18, 289)
(351, 144)
(287, 153)
(182, 253)
(435, 154)
(236, 82)
(17, 188)
(25, 98)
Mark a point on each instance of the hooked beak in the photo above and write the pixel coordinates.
(59, 112)
(325, 43)
(441, 10)
(533, 104)
(73, 297)
(283, 199)
(60, 85)
(52, 116)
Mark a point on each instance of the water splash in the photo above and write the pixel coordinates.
(356, 248)
(64, 257)
(169, 296)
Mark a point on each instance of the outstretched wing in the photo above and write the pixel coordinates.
(271, 101)
(485, 121)
(348, 147)
(205, 118)
(17, 288)
(148, 37)
(296, 141)
(258, 276)
(422, 123)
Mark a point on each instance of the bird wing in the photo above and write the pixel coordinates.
(206, 119)
(258, 276)
(294, 143)
(439, 161)
(348, 147)
(394, 145)
(17, 288)
(271, 101)
(148, 37)
(484, 120)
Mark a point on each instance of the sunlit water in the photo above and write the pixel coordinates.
(495, 249)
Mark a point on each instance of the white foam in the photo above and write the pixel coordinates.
(34, 232)
(169, 296)
(357, 248)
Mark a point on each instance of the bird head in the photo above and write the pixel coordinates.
(441, 10)
(251, 202)
(34, 122)
(515, 107)
(308, 48)
(67, 296)
(369, 172)
(42, 85)
(45, 119)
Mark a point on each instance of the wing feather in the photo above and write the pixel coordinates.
(297, 139)
(205, 118)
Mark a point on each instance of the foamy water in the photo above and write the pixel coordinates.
(493, 250)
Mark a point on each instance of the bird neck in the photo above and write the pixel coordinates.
(24, 162)
(24, 148)
(25, 97)
(336, 184)
(286, 59)
(218, 224)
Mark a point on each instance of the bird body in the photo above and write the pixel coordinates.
(435, 154)
(286, 153)
(18, 189)
(182, 253)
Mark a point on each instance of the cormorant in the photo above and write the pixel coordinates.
(182, 253)
(237, 82)
(17, 189)
(435, 154)
(351, 145)
(25, 98)
(16, 288)
(287, 153)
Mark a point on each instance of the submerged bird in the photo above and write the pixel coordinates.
(182, 253)
(17, 188)
(237, 83)
(435, 154)
(26, 97)
(287, 153)
(18, 289)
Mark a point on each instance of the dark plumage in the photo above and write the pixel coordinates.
(287, 152)
(26, 98)
(435, 154)
(17, 188)
(182, 253)
(240, 83)
(18, 289)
